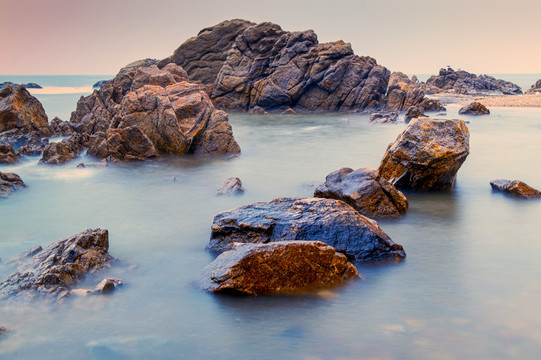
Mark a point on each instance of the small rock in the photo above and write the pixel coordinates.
(258, 110)
(9, 182)
(7, 155)
(382, 118)
(95, 165)
(515, 188)
(288, 111)
(3, 331)
(107, 286)
(475, 108)
(413, 112)
(231, 186)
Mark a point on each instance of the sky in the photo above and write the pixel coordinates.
(415, 36)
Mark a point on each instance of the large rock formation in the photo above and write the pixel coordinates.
(463, 82)
(145, 111)
(250, 65)
(284, 267)
(515, 188)
(474, 108)
(427, 154)
(51, 272)
(9, 182)
(403, 93)
(331, 221)
(365, 191)
(535, 89)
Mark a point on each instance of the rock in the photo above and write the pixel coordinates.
(427, 154)
(231, 186)
(58, 153)
(330, 221)
(413, 112)
(3, 331)
(463, 82)
(97, 84)
(21, 111)
(144, 112)
(7, 155)
(108, 285)
(9, 182)
(515, 188)
(32, 141)
(59, 127)
(53, 271)
(288, 111)
(96, 165)
(365, 191)
(382, 118)
(474, 108)
(284, 267)
(535, 89)
(13, 85)
(258, 110)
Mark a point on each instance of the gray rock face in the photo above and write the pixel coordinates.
(515, 188)
(330, 221)
(7, 155)
(231, 186)
(51, 272)
(9, 182)
(365, 191)
(474, 108)
(284, 267)
(427, 154)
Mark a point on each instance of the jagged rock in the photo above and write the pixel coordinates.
(7, 155)
(403, 93)
(474, 108)
(231, 186)
(20, 111)
(32, 141)
(9, 182)
(427, 154)
(57, 153)
(365, 191)
(107, 286)
(59, 127)
(145, 111)
(258, 110)
(413, 112)
(515, 188)
(284, 267)
(96, 165)
(382, 118)
(51, 272)
(463, 82)
(97, 84)
(331, 221)
(535, 89)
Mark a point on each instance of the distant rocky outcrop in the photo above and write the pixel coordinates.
(463, 82)
(231, 186)
(50, 273)
(474, 108)
(284, 267)
(427, 154)
(145, 111)
(7, 155)
(9, 182)
(27, 85)
(247, 65)
(515, 188)
(403, 93)
(535, 89)
(331, 221)
(365, 191)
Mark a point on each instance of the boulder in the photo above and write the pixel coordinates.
(59, 127)
(231, 186)
(383, 117)
(535, 89)
(283, 267)
(258, 110)
(365, 191)
(331, 221)
(7, 155)
(413, 112)
(9, 182)
(107, 286)
(51, 272)
(21, 111)
(58, 153)
(515, 188)
(427, 154)
(403, 93)
(474, 108)
(146, 111)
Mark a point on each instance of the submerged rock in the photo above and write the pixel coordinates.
(427, 154)
(515, 188)
(284, 267)
(474, 108)
(7, 155)
(21, 112)
(9, 182)
(231, 186)
(331, 221)
(51, 272)
(382, 118)
(107, 286)
(365, 191)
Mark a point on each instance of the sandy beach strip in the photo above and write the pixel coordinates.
(530, 100)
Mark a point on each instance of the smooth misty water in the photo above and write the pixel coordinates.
(469, 287)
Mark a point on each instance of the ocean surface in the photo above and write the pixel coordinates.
(469, 288)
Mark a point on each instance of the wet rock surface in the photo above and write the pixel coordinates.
(7, 155)
(330, 221)
(474, 108)
(427, 154)
(515, 188)
(413, 112)
(58, 153)
(365, 191)
(284, 267)
(51, 272)
(231, 186)
(9, 182)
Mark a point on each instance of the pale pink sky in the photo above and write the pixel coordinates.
(416, 36)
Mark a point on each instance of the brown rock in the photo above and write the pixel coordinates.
(474, 108)
(427, 154)
(413, 112)
(258, 110)
(108, 285)
(21, 111)
(7, 155)
(515, 188)
(129, 143)
(59, 127)
(284, 267)
(57, 153)
(9, 182)
(365, 191)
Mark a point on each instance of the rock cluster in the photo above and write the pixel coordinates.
(284, 267)
(50, 273)
(27, 85)
(58, 153)
(535, 89)
(427, 154)
(365, 191)
(474, 108)
(9, 182)
(59, 127)
(515, 188)
(403, 93)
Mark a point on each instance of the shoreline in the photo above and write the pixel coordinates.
(517, 101)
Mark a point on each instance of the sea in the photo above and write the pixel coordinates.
(468, 289)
